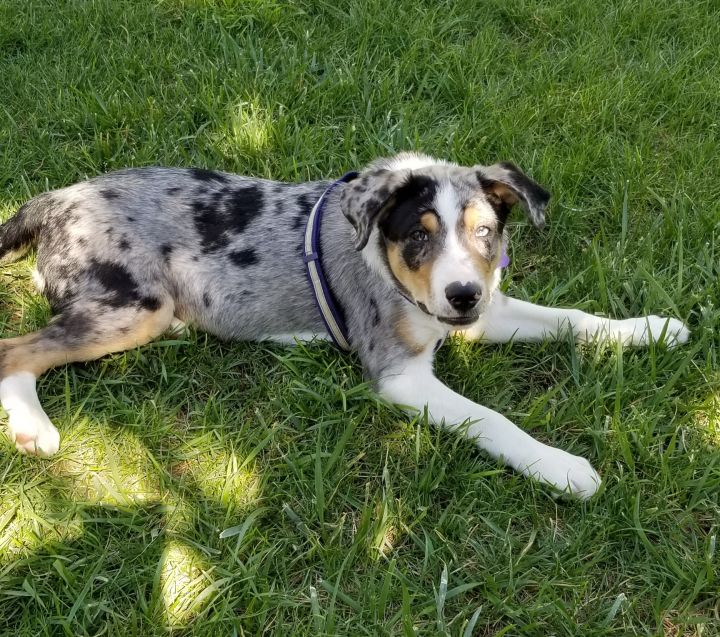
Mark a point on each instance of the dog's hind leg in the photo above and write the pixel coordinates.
(79, 333)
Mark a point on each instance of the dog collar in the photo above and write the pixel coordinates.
(318, 283)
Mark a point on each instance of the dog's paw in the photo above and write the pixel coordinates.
(675, 331)
(33, 434)
(571, 475)
(638, 332)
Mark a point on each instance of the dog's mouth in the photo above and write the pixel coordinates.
(459, 320)
(456, 321)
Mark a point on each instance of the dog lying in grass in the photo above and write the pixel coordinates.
(386, 262)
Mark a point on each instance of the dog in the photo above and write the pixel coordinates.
(408, 251)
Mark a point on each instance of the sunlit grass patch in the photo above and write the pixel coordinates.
(34, 517)
(221, 474)
(184, 584)
(106, 467)
(707, 418)
(248, 130)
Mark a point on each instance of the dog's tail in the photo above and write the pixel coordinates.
(18, 233)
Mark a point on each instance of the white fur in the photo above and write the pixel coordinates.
(454, 263)
(38, 280)
(425, 328)
(506, 319)
(414, 161)
(415, 387)
(29, 427)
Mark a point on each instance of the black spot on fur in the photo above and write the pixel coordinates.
(72, 325)
(109, 231)
(411, 201)
(150, 303)
(109, 194)
(174, 190)
(305, 202)
(120, 288)
(124, 244)
(195, 258)
(226, 212)
(374, 312)
(200, 174)
(130, 219)
(166, 250)
(209, 222)
(119, 285)
(243, 258)
(206, 299)
(415, 253)
(243, 205)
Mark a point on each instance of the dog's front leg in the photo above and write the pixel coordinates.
(416, 387)
(507, 318)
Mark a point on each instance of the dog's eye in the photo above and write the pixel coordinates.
(419, 235)
(482, 231)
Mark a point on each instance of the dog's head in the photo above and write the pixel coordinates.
(436, 229)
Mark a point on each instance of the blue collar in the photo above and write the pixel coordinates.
(324, 300)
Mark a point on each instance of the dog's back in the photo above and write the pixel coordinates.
(226, 249)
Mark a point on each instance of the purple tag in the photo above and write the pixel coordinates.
(504, 258)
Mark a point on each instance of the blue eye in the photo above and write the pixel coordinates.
(419, 235)
(482, 231)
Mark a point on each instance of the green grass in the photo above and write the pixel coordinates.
(245, 489)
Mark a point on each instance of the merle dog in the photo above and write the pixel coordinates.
(410, 249)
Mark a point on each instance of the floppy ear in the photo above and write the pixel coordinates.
(511, 185)
(365, 200)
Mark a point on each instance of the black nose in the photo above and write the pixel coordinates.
(463, 297)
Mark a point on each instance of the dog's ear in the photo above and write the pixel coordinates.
(365, 200)
(507, 182)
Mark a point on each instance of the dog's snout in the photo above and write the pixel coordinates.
(463, 296)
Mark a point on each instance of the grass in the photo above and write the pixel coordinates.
(207, 488)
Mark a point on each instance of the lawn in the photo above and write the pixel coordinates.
(209, 488)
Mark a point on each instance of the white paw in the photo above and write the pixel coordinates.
(640, 331)
(33, 433)
(570, 474)
(676, 332)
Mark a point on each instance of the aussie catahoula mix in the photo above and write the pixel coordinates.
(124, 256)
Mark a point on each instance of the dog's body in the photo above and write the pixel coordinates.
(123, 256)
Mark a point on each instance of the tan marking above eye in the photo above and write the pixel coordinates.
(474, 217)
(429, 222)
